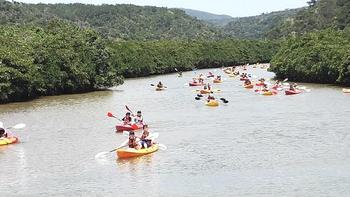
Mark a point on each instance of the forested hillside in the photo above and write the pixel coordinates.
(321, 14)
(126, 22)
(258, 27)
(318, 46)
(214, 19)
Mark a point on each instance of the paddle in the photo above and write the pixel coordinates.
(127, 108)
(101, 154)
(17, 126)
(224, 100)
(109, 114)
(155, 85)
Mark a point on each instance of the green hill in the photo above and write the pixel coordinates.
(115, 21)
(214, 19)
(257, 27)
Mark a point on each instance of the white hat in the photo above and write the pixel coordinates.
(1, 125)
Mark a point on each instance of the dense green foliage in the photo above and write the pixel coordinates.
(60, 58)
(321, 14)
(113, 21)
(322, 57)
(257, 27)
(147, 58)
(319, 48)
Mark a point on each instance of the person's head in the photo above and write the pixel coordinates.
(145, 127)
(139, 113)
(131, 133)
(127, 114)
(2, 131)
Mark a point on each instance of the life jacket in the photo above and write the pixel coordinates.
(132, 142)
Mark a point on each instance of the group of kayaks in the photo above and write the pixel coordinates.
(207, 89)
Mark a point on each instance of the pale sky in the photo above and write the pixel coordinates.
(235, 8)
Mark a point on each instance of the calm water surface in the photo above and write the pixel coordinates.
(253, 146)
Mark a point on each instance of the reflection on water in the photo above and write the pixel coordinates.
(252, 146)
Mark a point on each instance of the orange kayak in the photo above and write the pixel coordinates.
(131, 152)
(249, 86)
(8, 140)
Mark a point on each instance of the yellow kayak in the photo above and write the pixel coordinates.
(131, 152)
(346, 90)
(8, 140)
(268, 93)
(212, 103)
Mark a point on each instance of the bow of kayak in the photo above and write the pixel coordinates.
(131, 152)
(8, 140)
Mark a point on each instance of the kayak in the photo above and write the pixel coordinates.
(159, 89)
(8, 140)
(260, 84)
(131, 152)
(292, 92)
(268, 93)
(122, 127)
(243, 79)
(217, 81)
(205, 91)
(232, 75)
(195, 84)
(249, 86)
(346, 90)
(212, 103)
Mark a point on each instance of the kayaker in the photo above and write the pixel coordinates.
(247, 82)
(210, 97)
(209, 87)
(160, 85)
(291, 87)
(133, 141)
(3, 133)
(145, 141)
(265, 88)
(139, 118)
(127, 119)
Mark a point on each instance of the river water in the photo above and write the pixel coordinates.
(253, 146)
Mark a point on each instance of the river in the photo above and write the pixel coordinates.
(253, 146)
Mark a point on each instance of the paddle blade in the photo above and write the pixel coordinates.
(19, 126)
(109, 114)
(197, 98)
(127, 108)
(162, 147)
(101, 155)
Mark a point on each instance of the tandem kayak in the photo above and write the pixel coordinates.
(250, 86)
(122, 127)
(8, 140)
(131, 152)
(217, 81)
(212, 103)
(346, 90)
(292, 92)
(195, 84)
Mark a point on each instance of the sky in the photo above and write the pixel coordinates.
(235, 8)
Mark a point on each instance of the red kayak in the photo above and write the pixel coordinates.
(123, 127)
(195, 84)
(292, 92)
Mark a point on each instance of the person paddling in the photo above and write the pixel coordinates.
(145, 141)
(210, 97)
(160, 85)
(127, 119)
(138, 118)
(3, 133)
(247, 82)
(133, 141)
